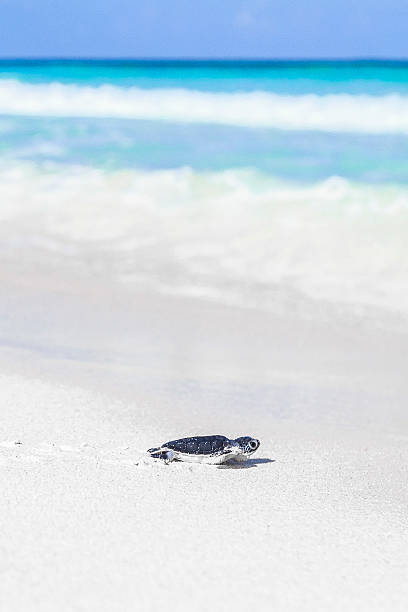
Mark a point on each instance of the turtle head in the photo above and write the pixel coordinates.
(247, 444)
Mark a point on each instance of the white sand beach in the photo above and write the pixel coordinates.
(93, 374)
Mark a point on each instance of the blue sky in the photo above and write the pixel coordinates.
(204, 28)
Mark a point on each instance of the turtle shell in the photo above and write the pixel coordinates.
(199, 445)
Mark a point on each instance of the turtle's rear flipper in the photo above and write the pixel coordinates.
(165, 455)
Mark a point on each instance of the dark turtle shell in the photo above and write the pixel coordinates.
(199, 445)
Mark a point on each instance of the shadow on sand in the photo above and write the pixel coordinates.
(245, 465)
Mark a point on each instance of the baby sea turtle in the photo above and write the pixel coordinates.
(206, 449)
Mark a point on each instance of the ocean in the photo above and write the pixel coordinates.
(195, 248)
(260, 184)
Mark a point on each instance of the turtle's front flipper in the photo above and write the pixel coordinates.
(166, 455)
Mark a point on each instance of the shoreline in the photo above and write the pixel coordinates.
(61, 327)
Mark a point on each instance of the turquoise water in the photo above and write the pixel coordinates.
(369, 77)
(239, 181)
(198, 135)
(120, 143)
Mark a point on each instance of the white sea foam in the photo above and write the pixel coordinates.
(340, 112)
(234, 235)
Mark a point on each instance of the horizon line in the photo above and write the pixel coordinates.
(187, 59)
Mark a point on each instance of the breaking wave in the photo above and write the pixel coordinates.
(237, 236)
(334, 112)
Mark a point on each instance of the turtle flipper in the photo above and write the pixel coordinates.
(168, 456)
(158, 453)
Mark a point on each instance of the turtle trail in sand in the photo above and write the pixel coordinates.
(206, 449)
